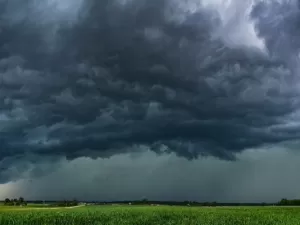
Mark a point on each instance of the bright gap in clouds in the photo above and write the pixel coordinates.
(65, 5)
(58, 10)
(237, 28)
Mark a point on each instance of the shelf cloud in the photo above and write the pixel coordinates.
(98, 79)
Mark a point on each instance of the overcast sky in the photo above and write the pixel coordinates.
(164, 99)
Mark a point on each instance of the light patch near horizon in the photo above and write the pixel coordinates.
(8, 190)
(258, 176)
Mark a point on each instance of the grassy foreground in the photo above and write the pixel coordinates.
(158, 215)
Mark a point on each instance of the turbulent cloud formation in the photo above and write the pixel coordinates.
(99, 78)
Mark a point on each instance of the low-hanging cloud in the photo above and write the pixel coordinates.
(254, 177)
(100, 78)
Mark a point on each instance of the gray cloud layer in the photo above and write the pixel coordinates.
(100, 78)
(257, 176)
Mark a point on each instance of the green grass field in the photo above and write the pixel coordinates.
(158, 215)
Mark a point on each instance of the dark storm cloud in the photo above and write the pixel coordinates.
(161, 74)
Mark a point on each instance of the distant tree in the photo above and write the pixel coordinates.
(74, 202)
(7, 201)
(213, 204)
(144, 200)
(15, 201)
(21, 200)
(283, 201)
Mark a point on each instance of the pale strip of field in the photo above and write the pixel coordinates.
(71, 207)
(45, 208)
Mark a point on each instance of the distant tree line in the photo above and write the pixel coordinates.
(66, 203)
(15, 202)
(292, 202)
(181, 203)
(74, 202)
(22, 202)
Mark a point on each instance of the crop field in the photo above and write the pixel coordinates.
(156, 215)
